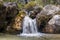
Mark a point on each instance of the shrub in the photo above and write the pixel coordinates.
(30, 5)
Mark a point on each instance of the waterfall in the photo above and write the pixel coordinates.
(30, 27)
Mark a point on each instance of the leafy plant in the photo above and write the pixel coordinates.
(30, 5)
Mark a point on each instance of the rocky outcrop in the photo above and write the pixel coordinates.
(16, 24)
(50, 10)
(55, 23)
(8, 11)
(45, 15)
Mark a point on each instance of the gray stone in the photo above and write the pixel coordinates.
(55, 20)
(50, 10)
(55, 24)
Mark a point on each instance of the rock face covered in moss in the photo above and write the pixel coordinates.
(45, 15)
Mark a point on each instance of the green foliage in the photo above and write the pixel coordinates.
(39, 2)
(20, 6)
(30, 6)
(10, 0)
(21, 14)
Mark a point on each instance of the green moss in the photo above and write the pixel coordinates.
(20, 5)
(30, 5)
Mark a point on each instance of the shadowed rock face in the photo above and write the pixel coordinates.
(32, 14)
(11, 11)
(42, 20)
(36, 11)
(55, 23)
(7, 12)
(44, 16)
(2, 17)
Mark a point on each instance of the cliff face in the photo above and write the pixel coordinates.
(7, 12)
(2, 16)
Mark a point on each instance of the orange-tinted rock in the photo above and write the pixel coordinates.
(16, 24)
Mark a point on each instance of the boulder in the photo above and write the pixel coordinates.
(42, 20)
(50, 10)
(45, 15)
(11, 11)
(53, 25)
(16, 24)
(8, 11)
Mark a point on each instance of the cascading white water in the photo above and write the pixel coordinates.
(30, 27)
